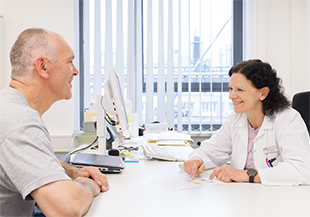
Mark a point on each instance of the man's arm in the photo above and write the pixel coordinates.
(70, 170)
(66, 197)
(87, 172)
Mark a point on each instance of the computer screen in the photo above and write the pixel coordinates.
(116, 100)
(111, 104)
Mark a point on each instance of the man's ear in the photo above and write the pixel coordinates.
(42, 67)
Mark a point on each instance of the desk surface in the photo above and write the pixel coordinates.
(128, 197)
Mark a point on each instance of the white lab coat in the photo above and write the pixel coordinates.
(286, 136)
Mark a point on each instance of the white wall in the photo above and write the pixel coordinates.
(55, 15)
(278, 32)
(1, 51)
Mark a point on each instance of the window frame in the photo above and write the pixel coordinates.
(237, 56)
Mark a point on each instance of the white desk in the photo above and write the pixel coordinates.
(128, 197)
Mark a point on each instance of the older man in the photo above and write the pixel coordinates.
(42, 73)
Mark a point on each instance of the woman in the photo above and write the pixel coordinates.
(265, 139)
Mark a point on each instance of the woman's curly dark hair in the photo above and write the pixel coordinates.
(263, 75)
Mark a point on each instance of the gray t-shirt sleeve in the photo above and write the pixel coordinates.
(28, 159)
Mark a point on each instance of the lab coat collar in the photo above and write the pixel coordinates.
(267, 125)
(242, 126)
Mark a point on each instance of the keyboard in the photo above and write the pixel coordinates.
(161, 153)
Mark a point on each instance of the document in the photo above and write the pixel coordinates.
(180, 183)
(168, 137)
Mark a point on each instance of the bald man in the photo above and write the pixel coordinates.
(42, 73)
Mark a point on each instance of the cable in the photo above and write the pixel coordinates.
(110, 120)
(75, 135)
(125, 148)
(107, 117)
(102, 103)
(82, 149)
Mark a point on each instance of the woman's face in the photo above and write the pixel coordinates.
(245, 97)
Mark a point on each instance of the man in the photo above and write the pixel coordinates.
(42, 72)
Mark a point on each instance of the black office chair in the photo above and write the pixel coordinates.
(301, 102)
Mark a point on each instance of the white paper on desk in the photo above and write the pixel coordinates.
(180, 183)
(168, 135)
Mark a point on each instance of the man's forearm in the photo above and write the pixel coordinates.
(70, 170)
(91, 189)
(66, 197)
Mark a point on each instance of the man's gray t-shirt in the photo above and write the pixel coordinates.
(27, 159)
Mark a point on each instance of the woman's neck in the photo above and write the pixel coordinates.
(256, 121)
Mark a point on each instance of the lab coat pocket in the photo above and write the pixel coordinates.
(272, 156)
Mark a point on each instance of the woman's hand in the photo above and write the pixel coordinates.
(194, 167)
(226, 173)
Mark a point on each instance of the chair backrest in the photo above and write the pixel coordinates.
(301, 102)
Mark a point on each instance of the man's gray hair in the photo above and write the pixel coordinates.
(30, 44)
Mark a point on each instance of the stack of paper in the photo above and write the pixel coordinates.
(171, 138)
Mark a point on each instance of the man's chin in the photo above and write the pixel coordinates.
(69, 96)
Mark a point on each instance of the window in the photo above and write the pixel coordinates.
(172, 57)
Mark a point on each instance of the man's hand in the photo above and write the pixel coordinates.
(194, 167)
(95, 174)
(226, 173)
(86, 172)
(91, 183)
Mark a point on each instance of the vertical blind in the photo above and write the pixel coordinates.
(172, 58)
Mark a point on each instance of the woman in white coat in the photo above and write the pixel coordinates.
(265, 139)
